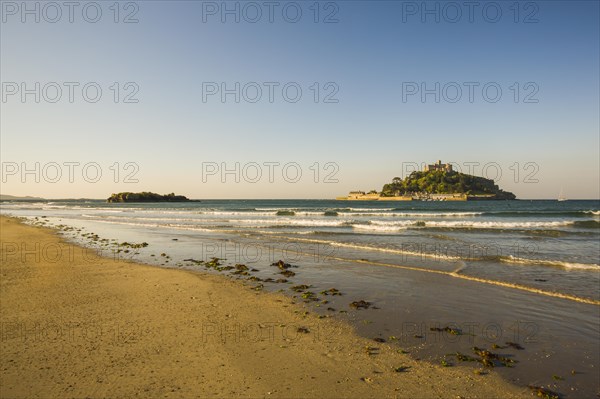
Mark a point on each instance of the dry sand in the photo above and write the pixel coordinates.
(85, 326)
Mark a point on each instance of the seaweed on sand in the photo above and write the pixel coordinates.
(544, 393)
(362, 304)
(300, 288)
(450, 330)
(331, 291)
(282, 265)
(197, 262)
(213, 263)
(490, 359)
(515, 345)
(464, 358)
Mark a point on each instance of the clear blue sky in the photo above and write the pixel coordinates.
(371, 55)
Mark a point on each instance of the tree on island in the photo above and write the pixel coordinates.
(444, 182)
(146, 197)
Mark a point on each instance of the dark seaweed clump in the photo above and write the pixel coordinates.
(360, 304)
(544, 393)
(450, 330)
(282, 265)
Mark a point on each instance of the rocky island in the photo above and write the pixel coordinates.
(147, 197)
(437, 182)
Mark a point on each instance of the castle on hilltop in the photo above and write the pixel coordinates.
(438, 166)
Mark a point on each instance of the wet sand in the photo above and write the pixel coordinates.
(85, 326)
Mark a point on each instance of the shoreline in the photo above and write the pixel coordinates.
(102, 327)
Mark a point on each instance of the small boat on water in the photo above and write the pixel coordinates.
(561, 196)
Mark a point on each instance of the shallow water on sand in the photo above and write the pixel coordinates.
(516, 271)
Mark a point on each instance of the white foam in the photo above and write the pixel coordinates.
(566, 265)
(310, 213)
(497, 225)
(238, 213)
(294, 222)
(370, 209)
(383, 224)
(371, 227)
(417, 214)
(404, 251)
(157, 225)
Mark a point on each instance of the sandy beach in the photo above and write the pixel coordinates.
(78, 325)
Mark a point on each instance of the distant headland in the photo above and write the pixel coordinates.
(437, 182)
(147, 197)
(6, 197)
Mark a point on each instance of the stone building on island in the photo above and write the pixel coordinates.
(439, 166)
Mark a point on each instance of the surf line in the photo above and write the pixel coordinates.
(455, 274)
